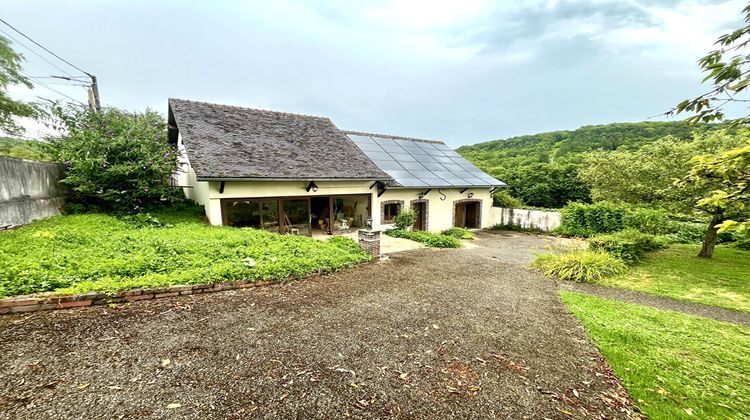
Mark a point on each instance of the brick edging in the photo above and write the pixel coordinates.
(30, 303)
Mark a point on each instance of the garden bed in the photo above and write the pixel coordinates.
(84, 253)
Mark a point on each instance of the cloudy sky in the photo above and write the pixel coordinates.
(463, 71)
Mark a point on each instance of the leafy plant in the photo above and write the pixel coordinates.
(427, 238)
(459, 233)
(145, 220)
(628, 245)
(405, 219)
(579, 265)
(502, 198)
(99, 252)
(115, 160)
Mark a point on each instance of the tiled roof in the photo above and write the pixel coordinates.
(230, 142)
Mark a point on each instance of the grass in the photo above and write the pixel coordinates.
(674, 365)
(98, 252)
(676, 272)
(428, 238)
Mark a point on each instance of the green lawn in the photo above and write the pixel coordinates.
(98, 252)
(674, 365)
(676, 272)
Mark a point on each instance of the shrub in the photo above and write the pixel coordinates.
(579, 266)
(579, 219)
(115, 160)
(686, 232)
(459, 233)
(586, 220)
(628, 245)
(654, 221)
(427, 238)
(502, 198)
(743, 243)
(405, 219)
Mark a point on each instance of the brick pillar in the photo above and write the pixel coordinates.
(369, 240)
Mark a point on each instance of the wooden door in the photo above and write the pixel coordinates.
(470, 215)
(420, 223)
(459, 219)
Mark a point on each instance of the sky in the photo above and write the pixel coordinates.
(459, 71)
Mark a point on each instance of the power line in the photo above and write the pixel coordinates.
(35, 53)
(54, 90)
(94, 101)
(45, 48)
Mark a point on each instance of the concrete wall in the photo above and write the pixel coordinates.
(527, 219)
(29, 191)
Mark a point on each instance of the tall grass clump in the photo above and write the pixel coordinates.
(579, 265)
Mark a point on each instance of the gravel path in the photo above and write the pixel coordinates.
(640, 298)
(426, 334)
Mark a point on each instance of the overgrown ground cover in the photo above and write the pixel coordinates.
(436, 240)
(98, 252)
(676, 272)
(674, 365)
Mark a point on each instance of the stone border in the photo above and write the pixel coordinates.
(30, 303)
(382, 210)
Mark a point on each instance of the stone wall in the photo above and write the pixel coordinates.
(29, 191)
(526, 219)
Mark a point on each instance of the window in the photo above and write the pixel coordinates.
(390, 211)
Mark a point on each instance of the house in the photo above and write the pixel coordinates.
(300, 174)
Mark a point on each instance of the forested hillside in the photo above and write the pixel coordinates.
(544, 169)
(24, 149)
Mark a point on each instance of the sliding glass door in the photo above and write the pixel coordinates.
(283, 215)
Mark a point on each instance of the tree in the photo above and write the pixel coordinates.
(10, 75)
(728, 69)
(115, 160)
(645, 176)
(545, 185)
(727, 176)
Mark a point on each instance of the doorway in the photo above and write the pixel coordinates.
(420, 208)
(467, 215)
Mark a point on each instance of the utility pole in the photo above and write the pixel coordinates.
(97, 105)
(95, 102)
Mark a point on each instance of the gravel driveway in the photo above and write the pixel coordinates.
(428, 333)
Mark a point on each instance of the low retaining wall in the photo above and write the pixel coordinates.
(32, 303)
(29, 191)
(526, 219)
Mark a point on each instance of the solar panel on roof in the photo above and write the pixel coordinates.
(414, 163)
(387, 165)
(378, 155)
(403, 157)
(361, 139)
(370, 147)
(413, 166)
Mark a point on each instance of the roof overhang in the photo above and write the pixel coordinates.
(257, 179)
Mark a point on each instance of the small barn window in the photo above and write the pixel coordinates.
(390, 211)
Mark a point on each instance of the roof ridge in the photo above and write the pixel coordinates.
(389, 136)
(249, 109)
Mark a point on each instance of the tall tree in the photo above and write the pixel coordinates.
(728, 69)
(10, 74)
